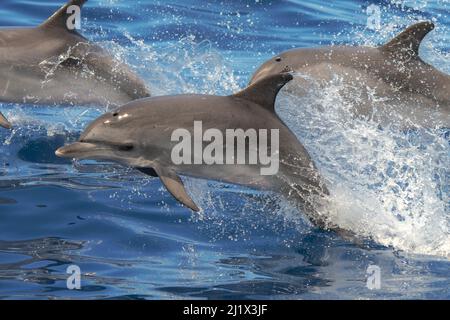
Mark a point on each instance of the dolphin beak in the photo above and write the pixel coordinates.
(4, 123)
(76, 150)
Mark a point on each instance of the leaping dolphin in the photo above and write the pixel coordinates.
(138, 134)
(51, 64)
(411, 87)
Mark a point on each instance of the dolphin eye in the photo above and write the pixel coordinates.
(278, 59)
(126, 147)
(116, 118)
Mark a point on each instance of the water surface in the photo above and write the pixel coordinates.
(132, 240)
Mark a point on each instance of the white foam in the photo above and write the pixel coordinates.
(385, 183)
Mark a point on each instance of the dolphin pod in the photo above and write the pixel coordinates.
(138, 134)
(53, 65)
(395, 70)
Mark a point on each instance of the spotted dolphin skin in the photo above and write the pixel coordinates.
(53, 65)
(412, 88)
(138, 134)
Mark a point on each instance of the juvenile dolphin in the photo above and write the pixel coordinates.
(139, 133)
(411, 87)
(51, 64)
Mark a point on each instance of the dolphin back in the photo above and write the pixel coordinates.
(298, 180)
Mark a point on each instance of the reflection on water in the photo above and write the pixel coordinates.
(7, 201)
(33, 260)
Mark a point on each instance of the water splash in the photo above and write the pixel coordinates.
(184, 66)
(386, 183)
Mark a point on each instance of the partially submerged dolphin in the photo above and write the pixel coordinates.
(51, 64)
(138, 134)
(408, 86)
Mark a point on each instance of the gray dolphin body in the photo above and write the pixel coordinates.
(411, 88)
(51, 64)
(138, 134)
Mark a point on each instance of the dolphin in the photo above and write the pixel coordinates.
(53, 65)
(412, 88)
(139, 135)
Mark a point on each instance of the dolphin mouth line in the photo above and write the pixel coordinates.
(86, 149)
(78, 150)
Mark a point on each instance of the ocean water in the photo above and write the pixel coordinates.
(130, 239)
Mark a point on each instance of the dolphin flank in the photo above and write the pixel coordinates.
(52, 65)
(138, 134)
(414, 89)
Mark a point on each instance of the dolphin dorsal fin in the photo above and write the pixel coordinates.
(408, 42)
(264, 92)
(59, 18)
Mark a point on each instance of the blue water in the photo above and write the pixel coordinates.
(132, 240)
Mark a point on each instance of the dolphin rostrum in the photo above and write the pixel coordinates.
(139, 134)
(51, 64)
(415, 89)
